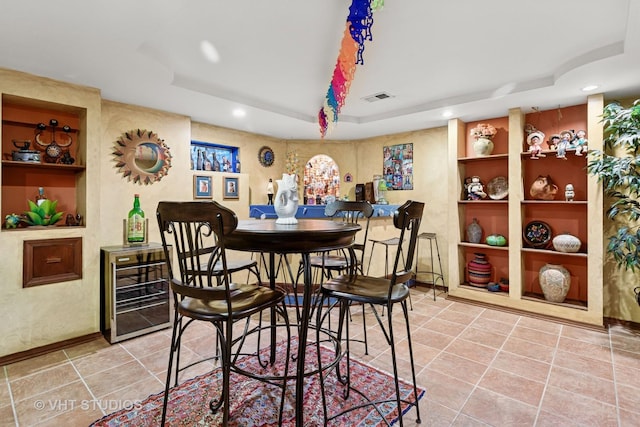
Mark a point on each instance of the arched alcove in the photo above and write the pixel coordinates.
(321, 179)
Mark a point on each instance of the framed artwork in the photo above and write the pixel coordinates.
(266, 156)
(202, 187)
(230, 190)
(214, 157)
(397, 166)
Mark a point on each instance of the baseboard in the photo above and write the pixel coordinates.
(39, 351)
(530, 314)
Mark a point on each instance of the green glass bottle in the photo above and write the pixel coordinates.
(135, 222)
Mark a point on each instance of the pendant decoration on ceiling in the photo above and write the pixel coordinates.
(142, 157)
(357, 30)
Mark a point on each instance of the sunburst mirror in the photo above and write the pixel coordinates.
(142, 157)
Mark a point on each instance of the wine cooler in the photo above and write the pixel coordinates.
(135, 291)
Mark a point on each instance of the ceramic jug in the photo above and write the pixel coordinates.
(286, 200)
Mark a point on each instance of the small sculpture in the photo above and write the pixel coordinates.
(286, 201)
(553, 142)
(475, 189)
(580, 142)
(543, 188)
(569, 194)
(534, 139)
(270, 191)
(566, 136)
(12, 220)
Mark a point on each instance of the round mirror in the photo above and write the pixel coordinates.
(142, 157)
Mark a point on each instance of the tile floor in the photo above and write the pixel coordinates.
(481, 367)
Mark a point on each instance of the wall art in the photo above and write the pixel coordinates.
(397, 166)
(230, 190)
(202, 188)
(142, 157)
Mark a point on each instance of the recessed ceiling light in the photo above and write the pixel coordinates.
(209, 51)
(589, 88)
(239, 113)
(447, 113)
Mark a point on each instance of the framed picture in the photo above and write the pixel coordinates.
(202, 187)
(230, 190)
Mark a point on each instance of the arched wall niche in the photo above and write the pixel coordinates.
(321, 179)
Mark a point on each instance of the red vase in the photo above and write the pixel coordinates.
(479, 271)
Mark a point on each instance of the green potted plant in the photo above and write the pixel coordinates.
(617, 167)
(42, 214)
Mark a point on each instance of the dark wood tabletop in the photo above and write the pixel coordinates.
(308, 235)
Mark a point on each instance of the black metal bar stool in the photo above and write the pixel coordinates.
(394, 241)
(435, 276)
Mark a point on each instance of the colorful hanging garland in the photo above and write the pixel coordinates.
(357, 30)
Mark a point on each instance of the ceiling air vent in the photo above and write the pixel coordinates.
(377, 97)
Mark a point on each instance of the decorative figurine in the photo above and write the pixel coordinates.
(475, 190)
(286, 201)
(569, 194)
(565, 139)
(580, 142)
(270, 191)
(543, 188)
(11, 221)
(534, 139)
(553, 142)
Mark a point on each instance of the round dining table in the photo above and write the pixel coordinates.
(304, 238)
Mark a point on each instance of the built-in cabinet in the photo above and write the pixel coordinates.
(61, 179)
(517, 262)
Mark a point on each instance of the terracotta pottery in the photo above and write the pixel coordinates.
(555, 281)
(479, 271)
(543, 188)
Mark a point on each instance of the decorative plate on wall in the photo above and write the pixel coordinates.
(142, 157)
(266, 156)
(498, 188)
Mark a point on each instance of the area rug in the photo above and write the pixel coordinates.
(255, 403)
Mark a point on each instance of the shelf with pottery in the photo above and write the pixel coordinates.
(580, 217)
(42, 146)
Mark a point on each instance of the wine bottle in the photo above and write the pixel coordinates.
(135, 222)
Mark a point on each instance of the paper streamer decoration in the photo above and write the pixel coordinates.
(357, 31)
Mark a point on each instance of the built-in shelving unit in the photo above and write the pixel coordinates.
(21, 179)
(517, 262)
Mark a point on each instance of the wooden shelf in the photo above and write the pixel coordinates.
(483, 246)
(16, 164)
(554, 202)
(34, 125)
(552, 252)
(483, 158)
(480, 202)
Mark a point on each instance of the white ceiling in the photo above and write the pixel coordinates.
(477, 58)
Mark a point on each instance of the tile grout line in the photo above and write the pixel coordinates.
(475, 386)
(546, 383)
(83, 380)
(13, 406)
(615, 382)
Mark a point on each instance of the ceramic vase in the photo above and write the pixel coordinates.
(479, 271)
(555, 281)
(286, 200)
(483, 146)
(474, 232)
(566, 243)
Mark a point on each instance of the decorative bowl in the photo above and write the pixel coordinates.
(537, 234)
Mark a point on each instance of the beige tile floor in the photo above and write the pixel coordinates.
(481, 367)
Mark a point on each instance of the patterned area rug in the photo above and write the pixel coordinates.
(255, 403)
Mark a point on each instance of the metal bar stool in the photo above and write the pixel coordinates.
(395, 241)
(435, 276)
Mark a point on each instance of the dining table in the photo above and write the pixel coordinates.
(305, 237)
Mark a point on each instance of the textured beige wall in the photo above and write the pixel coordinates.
(33, 317)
